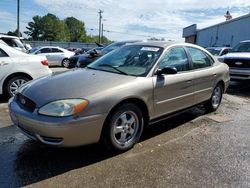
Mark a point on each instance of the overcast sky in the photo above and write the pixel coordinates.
(127, 19)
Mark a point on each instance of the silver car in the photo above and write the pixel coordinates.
(112, 99)
(55, 55)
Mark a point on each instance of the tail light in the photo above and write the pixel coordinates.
(45, 62)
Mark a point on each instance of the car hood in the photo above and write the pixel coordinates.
(78, 83)
(243, 55)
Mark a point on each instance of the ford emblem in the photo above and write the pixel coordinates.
(238, 63)
(23, 101)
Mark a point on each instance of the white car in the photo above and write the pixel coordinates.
(55, 55)
(13, 41)
(17, 68)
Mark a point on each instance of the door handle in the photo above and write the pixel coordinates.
(3, 63)
(188, 81)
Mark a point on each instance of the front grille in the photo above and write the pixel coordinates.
(25, 103)
(238, 63)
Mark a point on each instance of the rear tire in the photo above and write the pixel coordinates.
(215, 100)
(65, 63)
(14, 84)
(123, 128)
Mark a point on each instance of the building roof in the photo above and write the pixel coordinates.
(226, 22)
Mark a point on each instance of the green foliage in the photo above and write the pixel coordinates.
(14, 33)
(51, 28)
(76, 29)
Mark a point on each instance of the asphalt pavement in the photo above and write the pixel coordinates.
(193, 149)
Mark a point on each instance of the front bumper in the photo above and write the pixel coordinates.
(57, 131)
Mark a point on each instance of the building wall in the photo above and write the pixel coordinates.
(228, 33)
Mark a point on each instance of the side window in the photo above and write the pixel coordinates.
(56, 50)
(175, 57)
(10, 42)
(45, 50)
(3, 53)
(199, 58)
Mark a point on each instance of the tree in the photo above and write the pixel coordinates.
(51, 28)
(48, 28)
(76, 29)
(35, 28)
(14, 33)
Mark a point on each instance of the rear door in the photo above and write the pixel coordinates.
(5, 65)
(204, 73)
(174, 92)
(46, 52)
(57, 55)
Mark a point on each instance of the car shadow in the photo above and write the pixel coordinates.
(239, 88)
(36, 162)
(3, 99)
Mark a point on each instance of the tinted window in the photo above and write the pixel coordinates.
(199, 58)
(3, 53)
(10, 42)
(56, 50)
(175, 57)
(214, 51)
(45, 50)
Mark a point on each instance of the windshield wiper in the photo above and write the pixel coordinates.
(92, 68)
(107, 65)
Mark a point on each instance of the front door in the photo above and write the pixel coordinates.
(173, 92)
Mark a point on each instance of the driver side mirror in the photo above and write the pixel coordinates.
(93, 53)
(166, 70)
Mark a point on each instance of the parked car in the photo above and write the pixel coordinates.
(86, 59)
(17, 68)
(113, 98)
(55, 55)
(218, 51)
(239, 61)
(14, 42)
(73, 60)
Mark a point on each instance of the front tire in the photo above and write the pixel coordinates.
(215, 100)
(124, 128)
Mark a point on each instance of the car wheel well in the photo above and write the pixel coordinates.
(16, 75)
(138, 102)
(222, 84)
(13, 76)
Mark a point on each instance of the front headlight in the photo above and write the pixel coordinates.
(61, 108)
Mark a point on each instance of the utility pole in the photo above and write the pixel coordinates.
(18, 21)
(100, 23)
(102, 34)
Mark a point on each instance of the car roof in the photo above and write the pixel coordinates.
(218, 48)
(164, 44)
(8, 36)
(245, 41)
(11, 51)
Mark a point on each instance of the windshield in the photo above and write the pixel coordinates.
(214, 51)
(32, 50)
(111, 47)
(135, 60)
(242, 47)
